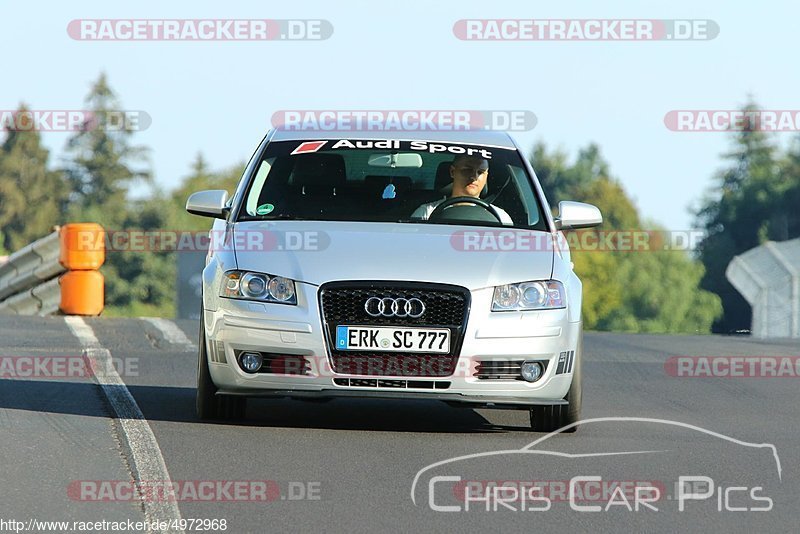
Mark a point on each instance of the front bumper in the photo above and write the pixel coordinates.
(297, 331)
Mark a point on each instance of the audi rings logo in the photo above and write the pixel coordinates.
(389, 307)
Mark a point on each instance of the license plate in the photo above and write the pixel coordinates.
(393, 339)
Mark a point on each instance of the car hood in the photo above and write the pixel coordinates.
(317, 252)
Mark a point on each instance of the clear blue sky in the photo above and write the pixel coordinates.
(217, 97)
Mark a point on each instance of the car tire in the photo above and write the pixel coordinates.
(550, 418)
(209, 405)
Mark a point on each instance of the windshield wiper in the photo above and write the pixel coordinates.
(281, 217)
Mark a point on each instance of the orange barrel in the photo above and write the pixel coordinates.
(82, 246)
(82, 293)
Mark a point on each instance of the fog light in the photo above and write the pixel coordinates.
(531, 371)
(251, 361)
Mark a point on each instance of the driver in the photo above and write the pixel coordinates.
(469, 174)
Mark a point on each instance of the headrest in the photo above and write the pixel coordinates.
(443, 177)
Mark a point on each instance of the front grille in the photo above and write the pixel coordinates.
(392, 364)
(393, 384)
(282, 364)
(446, 306)
(501, 369)
(346, 304)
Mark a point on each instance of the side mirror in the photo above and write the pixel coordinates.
(209, 203)
(575, 215)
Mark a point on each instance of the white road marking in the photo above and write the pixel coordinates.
(171, 332)
(147, 462)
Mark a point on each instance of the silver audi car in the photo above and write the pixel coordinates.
(391, 265)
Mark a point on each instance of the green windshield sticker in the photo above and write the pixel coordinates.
(264, 209)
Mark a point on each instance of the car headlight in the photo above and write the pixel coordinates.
(542, 295)
(258, 286)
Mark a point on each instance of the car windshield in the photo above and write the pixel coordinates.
(389, 180)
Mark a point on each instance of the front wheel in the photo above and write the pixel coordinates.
(551, 418)
(210, 406)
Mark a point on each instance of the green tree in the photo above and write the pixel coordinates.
(755, 200)
(102, 161)
(559, 180)
(660, 294)
(200, 178)
(788, 219)
(102, 164)
(145, 282)
(31, 196)
(625, 290)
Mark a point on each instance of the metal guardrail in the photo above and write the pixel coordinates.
(34, 263)
(31, 281)
(769, 279)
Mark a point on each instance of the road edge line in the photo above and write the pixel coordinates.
(146, 459)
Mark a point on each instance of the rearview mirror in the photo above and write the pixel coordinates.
(575, 215)
(210, 203)
(403, 159)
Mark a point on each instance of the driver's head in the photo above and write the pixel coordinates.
(469, 174)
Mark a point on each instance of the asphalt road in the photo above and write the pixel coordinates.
(364, 465)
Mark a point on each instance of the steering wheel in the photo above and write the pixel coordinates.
(438, 212)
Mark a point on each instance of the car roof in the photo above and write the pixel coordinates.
(470, 137)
